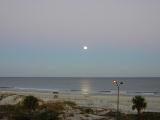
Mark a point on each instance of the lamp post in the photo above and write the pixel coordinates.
(117, 83)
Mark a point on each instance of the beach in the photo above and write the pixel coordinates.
(85, 100)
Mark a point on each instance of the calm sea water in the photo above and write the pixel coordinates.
(143, 85)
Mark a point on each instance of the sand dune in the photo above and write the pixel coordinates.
(98, 101)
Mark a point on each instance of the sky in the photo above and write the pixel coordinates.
(45, 38)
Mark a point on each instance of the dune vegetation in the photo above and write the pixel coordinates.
(32, 108)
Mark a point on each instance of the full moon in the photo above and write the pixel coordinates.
(85, 47)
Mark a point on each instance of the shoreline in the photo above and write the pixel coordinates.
(76, 91)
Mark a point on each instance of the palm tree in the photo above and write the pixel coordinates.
(139, 103)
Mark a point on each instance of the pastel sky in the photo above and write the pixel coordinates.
(46, 38)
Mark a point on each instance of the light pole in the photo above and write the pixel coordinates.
(117, 83)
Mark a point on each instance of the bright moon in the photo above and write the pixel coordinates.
(85, 47)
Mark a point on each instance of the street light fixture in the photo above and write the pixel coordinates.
(117, 83)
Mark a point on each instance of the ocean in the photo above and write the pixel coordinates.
(82, 85)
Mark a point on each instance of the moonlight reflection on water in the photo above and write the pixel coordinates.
(85, 86)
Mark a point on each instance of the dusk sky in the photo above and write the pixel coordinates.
(45, 38)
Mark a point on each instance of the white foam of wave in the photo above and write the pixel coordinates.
(36, 89)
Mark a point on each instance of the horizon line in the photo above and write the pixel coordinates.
(80, 76)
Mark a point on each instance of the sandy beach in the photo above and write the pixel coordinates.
(87, 100)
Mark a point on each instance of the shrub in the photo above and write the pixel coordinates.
(53, 106)
(46, 115)
(30, 102)
(87, 110)
(21, 116)
(50, 111)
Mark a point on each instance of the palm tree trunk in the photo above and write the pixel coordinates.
(139, 114)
